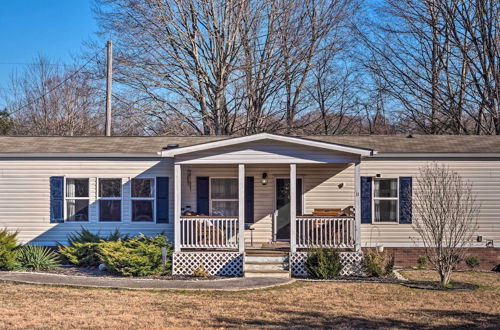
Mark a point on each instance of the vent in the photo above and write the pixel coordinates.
(171, 146)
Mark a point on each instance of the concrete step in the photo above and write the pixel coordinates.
(265, 266)
(267, 273)
(266, 258)
(266, 252)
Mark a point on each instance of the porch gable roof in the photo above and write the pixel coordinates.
(272, 137)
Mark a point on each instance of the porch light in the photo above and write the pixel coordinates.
(264, 178)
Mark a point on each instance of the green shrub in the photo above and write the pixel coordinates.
(83, 247)
(138, 256)
(35, 258)
(378, 264)
(86, 236)
(323, 263)
(8, 246)
(81, 254)
(472, 262)
(422, 262)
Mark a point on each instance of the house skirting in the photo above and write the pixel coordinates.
(352, 263)
(489, 257)
(214, 263)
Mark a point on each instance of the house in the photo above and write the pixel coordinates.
(242, 204)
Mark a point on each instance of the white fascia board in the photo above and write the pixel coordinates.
(267, 136)
(75, 155)
(437, 155)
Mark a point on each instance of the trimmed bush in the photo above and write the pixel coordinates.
(378, 264)
(35, 258)
(138, 256)
(83, 247)
(472, 262)
(81, 254)
(323, 263)
(422, 262)
(86, 236)
(8, 246)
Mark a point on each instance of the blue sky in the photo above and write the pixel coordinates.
(55, 28)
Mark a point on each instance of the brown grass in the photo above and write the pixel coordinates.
(303, 304)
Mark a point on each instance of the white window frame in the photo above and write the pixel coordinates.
(132, 199)
(385, 222)
(219, 199)
(98, 199)
(75, 198)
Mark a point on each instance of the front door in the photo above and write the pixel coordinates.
(282, 207)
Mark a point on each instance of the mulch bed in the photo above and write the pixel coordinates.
(83, 271)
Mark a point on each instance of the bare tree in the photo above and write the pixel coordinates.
(180, 53)
(445, 216)
(44, 99)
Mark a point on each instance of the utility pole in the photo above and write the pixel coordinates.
(109, 79)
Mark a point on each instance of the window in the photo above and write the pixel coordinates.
(143, 199)
(110, 199)
(385, 200)
(77, 199)
(224, 197)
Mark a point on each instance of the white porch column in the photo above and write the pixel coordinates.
(241, 206)
(293, 207)
(357, 204)
(177, 207)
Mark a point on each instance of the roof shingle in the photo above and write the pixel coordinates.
(152, 145)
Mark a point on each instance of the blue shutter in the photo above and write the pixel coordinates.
(162, 200)
(405, 192)
(202, 191)
(366, 199)
(56, 199)
(249, 199)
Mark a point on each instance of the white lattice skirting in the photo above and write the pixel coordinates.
(352, 263)
(214, 263)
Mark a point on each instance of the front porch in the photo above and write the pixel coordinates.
(260, 194)
(272, 239)
(311, 206)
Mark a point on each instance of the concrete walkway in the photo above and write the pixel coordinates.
(230, 284)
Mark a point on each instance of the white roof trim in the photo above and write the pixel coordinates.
(437, 155)
(267, 136)
(76, 155)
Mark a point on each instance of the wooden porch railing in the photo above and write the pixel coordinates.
(323, 231)
(198, 232)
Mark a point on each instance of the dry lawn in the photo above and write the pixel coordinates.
(301, 305)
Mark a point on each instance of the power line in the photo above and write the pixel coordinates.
(27, 63)
(57, 86)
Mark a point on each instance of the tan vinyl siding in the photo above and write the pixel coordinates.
(484, 175)
(25, 200)
(321, 189)
(25, 195)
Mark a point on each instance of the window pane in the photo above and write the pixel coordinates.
(77, 187)
(224, 208)
(110, 210)
(142, 187)
(386, 210)
(224, 188)
(110, 187)
(77, 209)
(386, 188)
(142, 210)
